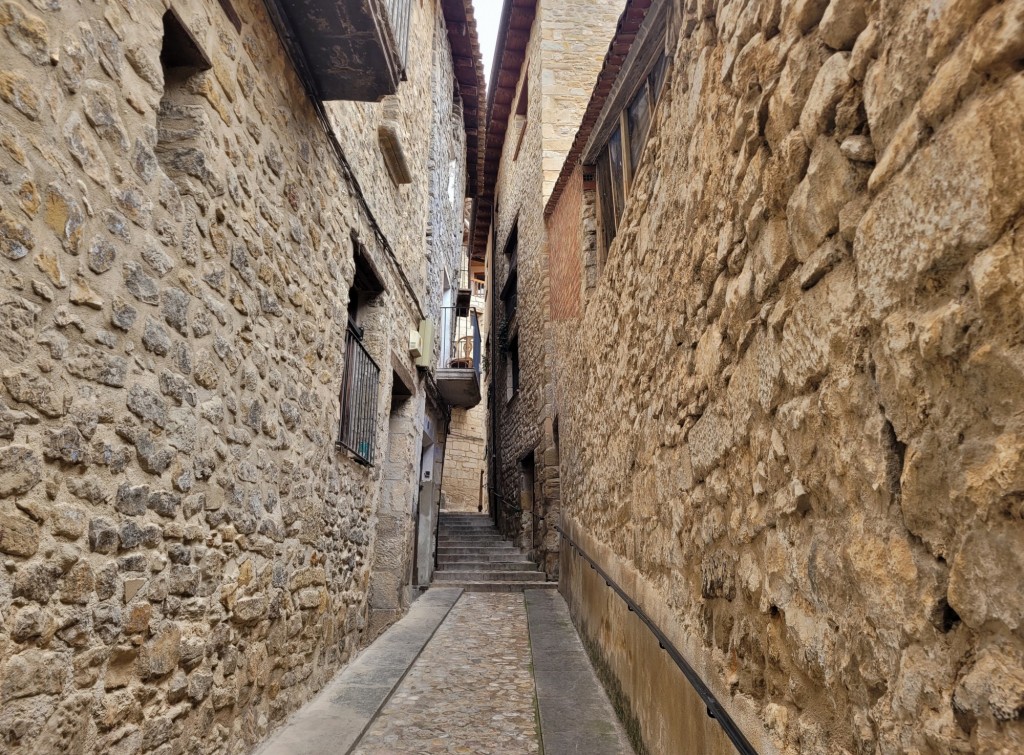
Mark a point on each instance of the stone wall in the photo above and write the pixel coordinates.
(566, 47)
(791, 414)
(465, 462)
(186, 554)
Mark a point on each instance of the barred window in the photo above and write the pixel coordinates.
(357, 429)
(359, 398)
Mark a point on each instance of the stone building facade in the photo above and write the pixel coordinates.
(185, 235)
(546, 60)
(790, 388)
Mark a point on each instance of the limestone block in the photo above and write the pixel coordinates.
(983, 572)
(19, 536)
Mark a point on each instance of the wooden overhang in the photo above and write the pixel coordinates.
(509, 56)
(626, 31)
(349, 48)
(469, 71)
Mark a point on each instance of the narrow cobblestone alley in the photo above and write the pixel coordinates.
(470, 689)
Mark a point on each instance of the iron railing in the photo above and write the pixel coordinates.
(714, 708)
(358, 426)
(399, 15)
(460, 339)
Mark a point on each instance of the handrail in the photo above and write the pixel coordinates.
(714, 708)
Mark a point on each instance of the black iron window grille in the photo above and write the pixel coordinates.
(358, 425)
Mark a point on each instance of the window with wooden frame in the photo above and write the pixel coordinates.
(618, 159)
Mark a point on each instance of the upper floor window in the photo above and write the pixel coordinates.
(618, 159)
(522, 110)
(510, 292)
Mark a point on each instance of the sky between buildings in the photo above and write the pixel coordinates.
(488, 15)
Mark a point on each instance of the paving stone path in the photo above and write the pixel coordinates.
(470, 691)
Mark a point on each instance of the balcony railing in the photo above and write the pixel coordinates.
(358, 426)
(400, 17)
(461, 342)
(458, 369)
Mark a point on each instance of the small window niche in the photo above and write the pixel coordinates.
(522, 110)
(180, 53)
(183, 128)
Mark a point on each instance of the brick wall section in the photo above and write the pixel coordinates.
(565, 240)
(186, 554)
(792, 410)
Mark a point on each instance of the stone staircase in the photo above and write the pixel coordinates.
(472, 555)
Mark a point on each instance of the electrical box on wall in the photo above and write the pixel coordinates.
(426, 334)
(415, 343)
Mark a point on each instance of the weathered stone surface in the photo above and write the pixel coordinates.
(19, 536)
(96, 366)
(843, 557)
(160, 655)
(177, 254)
(20, 470)
(32, 672)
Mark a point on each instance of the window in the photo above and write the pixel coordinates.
(522, 110)
(510, 296)
(179, 49)
(512, 245)
(358, 397)
(512, 368)
(510, 293)
(639, 122)
(619, 158)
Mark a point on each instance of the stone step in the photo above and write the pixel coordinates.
(454, 564)
(469, 532)
(502, 586)
(482, 554)
(464, 541)
(490, 575)
(489, 561)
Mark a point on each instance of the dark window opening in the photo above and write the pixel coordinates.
(358, 396)
(512, 243)
(522, 110)
(510, 296)
(512, 366)
(180, 50)
(527, 482)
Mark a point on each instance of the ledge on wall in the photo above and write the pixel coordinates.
(389, 136)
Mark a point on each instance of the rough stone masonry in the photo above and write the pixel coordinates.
(793, 406)
(185, 554)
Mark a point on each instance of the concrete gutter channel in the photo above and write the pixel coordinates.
(576, 716)
(336, 719)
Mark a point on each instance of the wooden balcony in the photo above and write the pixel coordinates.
(353, 49)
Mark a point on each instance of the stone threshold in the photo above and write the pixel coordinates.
(335, 720)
